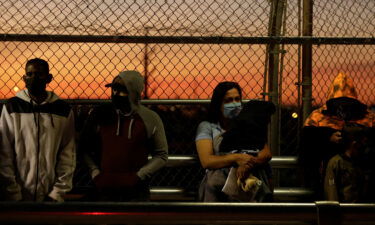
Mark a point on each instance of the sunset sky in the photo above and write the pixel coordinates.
(183, 71)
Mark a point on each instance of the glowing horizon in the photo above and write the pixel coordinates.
(178, 71)
(181, 71)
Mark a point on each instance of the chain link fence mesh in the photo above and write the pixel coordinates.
(340, 18)
(184, 70)
(135, 18)
(175, 71)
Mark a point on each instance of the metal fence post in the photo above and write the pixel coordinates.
(146, 61)
(328, 213)
(276, 17)
(307, 27)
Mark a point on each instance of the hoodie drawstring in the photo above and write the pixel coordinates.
(130, 128)
(119, 125)
(36, 120)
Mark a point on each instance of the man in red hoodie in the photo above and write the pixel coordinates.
(117, 139)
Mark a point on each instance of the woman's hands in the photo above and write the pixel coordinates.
(246, 159)
(243, 172)
(209, 160)
(245, 164)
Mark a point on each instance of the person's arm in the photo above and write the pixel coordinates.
(316, 144)
(330, 185)
(209, 160)
(88, 145)
(7, 158)
(206, 154)
(91, 165)
(159, 153)
(263, 156)
(66, 161)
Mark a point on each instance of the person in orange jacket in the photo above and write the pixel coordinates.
(321, 134)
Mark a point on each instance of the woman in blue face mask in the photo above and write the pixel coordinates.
(225, 105)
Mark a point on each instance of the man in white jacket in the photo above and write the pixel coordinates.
(37, 145)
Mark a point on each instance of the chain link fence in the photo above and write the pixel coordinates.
(87, 43)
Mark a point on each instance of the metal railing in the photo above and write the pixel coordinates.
(280, 194)
(188, 160)
(179, 193)
(320, 213)
(189, 39)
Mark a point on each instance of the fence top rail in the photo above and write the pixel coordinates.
(188, 39)
(143, 101)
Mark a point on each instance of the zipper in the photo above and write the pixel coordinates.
(37, 121)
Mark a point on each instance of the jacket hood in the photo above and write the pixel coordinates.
(342, 100)
(341, 106)
(134, 83)
(342, 86)
(24, 95)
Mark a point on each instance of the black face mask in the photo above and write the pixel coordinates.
(345, 108)
(122, 103)
(35, 85)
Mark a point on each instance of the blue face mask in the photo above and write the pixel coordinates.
(232, 109)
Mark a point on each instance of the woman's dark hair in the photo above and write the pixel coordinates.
(214, 109)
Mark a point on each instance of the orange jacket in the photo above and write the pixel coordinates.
(342, 86)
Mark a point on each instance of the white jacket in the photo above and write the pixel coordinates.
(37, 148)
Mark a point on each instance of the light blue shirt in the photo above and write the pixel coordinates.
(212, 131)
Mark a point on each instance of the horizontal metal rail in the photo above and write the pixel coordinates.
(184, 213)
(188, 160)
(295, 192)
(171, 193)
(145, 101)
(181, 194)
(188, 39)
